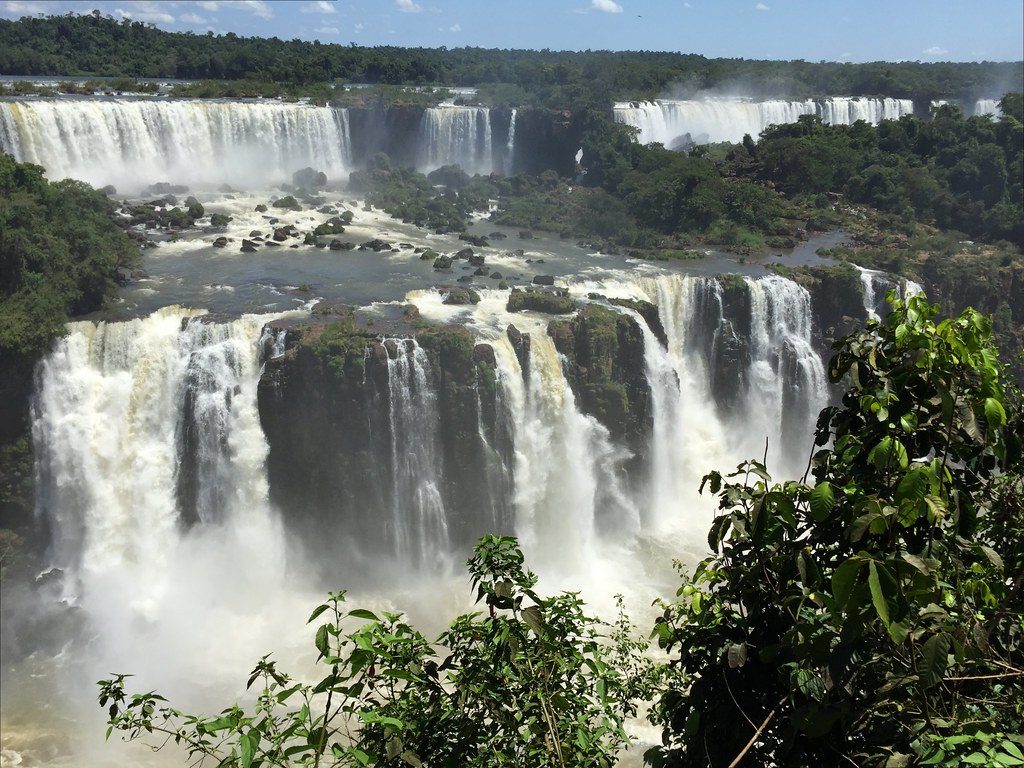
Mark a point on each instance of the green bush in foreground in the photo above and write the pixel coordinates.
(533, 682)
(875, 618)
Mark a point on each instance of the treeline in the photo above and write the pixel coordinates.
(93, 45)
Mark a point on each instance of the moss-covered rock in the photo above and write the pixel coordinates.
(555, 302)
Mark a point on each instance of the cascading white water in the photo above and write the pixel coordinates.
(867, 280)
(567, 470)
(987, 107)
(788, 386)
(419, 519)
(132, 143)
(711, 120)
(510, 145)
(114, 437)
(456, 135)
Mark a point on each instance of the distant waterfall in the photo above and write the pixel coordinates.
(132, 143)
(987, 107)
(419, 518)
(456, 135)
(140, 428)
(876, 287)
(670, 122)
(510, 146)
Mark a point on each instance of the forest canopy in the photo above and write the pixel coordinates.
(94, 45)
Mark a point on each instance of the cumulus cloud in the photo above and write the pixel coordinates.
(321, 6)
(256, 7)
(144, 10)
(208, 5)
(761, 7)
(360, 27)
(605, 6)
(192, 18)
(408, 6)
(328, 31)
(455, 28)
(935, 50)
(13, 6)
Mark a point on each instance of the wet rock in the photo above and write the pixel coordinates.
(261, 208)
(477, 259)
(478, 240)
(462, 296)
(375, 245)
(255, 233)
(465, 253)
(227, 189)
(543, 280)
(281, 234)
(248, 246)
(309, 178)
(288, 202)
(443, 262)
(497, 236)
(428, 255)
(649, 312)
(110, 190)
(496, 276)
(521, 346)
(525, 234)
(220, 242)
(219, 220)
(465, 279)
(480, 272)
(555, 302)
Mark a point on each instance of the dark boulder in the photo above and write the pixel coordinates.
(543, 280)
(309, 178)
(443, 262)
(462, 296)
(375, 245)
(248, 246)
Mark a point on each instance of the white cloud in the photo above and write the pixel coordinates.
(328, 31)
(935, 51)
(408, 6)
(256, 7)
(321, 6)
(144, 10)
(455, 28)
(208, 5)
(21, 7)
(687, 5)
(360, 27)
(761, 7)
(192, 18)
(606, 6)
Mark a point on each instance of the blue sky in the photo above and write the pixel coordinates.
(835, 30)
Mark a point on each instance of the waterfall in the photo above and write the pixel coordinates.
(132, 143)
(670, 122)
(140, 428)
(567, 470)
(456, 135)
(510, 146)
(419, 518)
(867, 280)
(987, 107)
(788, 386)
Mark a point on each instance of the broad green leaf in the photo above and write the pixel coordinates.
(995, 415)
(534, 618)
(877, 595)
(934, 659)
(888, 454)
(362, 613)
(822, 501)
(844, 579)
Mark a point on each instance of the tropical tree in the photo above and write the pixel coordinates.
(874, 617)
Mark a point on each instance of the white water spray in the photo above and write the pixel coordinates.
(132, 143)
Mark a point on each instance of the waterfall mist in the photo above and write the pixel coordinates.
(132, 143)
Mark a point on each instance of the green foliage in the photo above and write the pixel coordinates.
(534, 681)
(59, 254)
(958, 173)
(875, 617)
(413, 197)
(90, 43)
